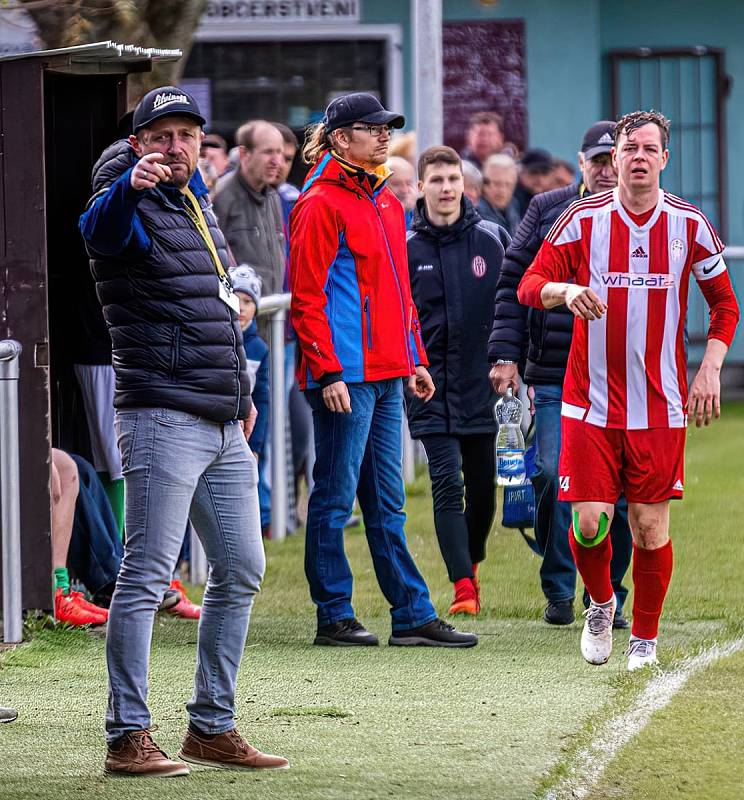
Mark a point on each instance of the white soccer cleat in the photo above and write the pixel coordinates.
(596, 638)
(641, 653)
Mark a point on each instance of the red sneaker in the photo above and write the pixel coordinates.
(466, 598)
(184, 608)
(69, 609)
(83, 603)
(476, 583)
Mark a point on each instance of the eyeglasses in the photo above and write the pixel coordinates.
(373, 130)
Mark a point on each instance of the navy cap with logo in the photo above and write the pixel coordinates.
(359, 107)
(165, 101)
(599, 139)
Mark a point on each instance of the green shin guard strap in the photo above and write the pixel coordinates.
(604, 529)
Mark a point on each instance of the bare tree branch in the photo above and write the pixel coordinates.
(167, 24)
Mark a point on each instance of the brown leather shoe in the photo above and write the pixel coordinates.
(135, 753)
(227, 750)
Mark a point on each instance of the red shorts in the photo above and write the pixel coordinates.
(600, 464)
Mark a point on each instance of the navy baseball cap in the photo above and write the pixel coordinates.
(165, 101)
(359, 107)
(599, 139)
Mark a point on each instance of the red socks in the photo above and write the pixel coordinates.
(593, 564)
(652, 571)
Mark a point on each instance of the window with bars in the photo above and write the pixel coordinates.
(689, 86)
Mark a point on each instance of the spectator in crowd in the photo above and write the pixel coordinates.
(249, 209)
(288, 192)
(359, 334)
(499, 182)
(70, 607)
(247, 286)
(472, 182)
(402, 184)
(564, 174)
(454, 259)
(8, 714)
(485, 137)
(214, 150)
(183, 416)
(404, 145)
(544, 337)
(535, 176)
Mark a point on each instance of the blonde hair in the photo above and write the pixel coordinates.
(317, 139)
(404, 145)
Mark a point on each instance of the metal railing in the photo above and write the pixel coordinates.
(10, 496)
(275, 307)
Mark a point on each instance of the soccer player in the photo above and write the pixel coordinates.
(621, 261)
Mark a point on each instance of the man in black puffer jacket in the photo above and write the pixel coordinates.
(454, 258)
(182, 400)
(538, 342)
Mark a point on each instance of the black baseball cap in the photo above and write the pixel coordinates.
(537, 160)
(599, 139)
(359, 107)
(165, 101)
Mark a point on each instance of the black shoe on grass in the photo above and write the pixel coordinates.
(172, 597)
(559, 612)
(620, 623)
(436, 633)
(345, 633)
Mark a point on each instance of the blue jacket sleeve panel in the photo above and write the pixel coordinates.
(260, 398)
(111, 225)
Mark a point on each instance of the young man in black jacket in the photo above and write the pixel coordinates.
(544, 337)
(454, 259)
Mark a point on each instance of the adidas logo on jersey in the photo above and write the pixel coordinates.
(639, 252)
(424, 268)
(678, 486)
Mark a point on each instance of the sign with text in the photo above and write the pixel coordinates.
(258, 11)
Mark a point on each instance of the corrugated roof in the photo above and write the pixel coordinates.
(102, 51)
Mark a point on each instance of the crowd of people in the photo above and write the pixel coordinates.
(429, 284)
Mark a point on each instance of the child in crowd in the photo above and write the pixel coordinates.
(247, 286)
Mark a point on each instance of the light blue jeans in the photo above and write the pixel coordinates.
(176, 466)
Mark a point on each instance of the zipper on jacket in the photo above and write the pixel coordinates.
(175, 351)
(369, 322)
(406, 330)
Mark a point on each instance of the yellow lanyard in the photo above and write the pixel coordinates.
(194, 210)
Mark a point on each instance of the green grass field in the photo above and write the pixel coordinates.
(501, 721)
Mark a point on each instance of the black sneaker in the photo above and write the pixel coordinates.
(172, 597)
(345, 633)
(559, 612)
(619, 622)
(436, 633)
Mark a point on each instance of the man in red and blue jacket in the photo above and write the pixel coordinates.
(359, 334)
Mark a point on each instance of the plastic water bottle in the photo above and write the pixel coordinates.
(510, 467)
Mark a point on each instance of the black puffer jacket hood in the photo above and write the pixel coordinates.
(113, 161)
(453, 271)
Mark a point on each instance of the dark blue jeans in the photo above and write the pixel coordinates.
(360, 454)
(553, 518)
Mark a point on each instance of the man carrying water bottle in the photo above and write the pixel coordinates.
(454, 259)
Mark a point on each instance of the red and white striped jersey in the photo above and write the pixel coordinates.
(628, 369)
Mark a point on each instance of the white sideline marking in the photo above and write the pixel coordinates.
(590, 763)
